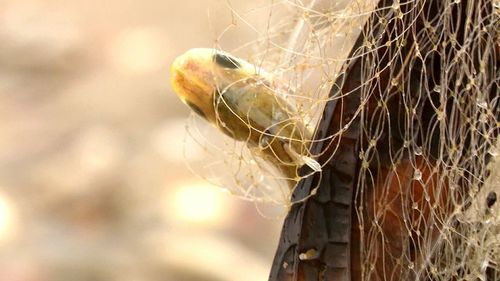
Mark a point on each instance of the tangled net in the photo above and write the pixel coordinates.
(304, 52)
(415, 85)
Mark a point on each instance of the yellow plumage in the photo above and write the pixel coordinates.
(244, 102)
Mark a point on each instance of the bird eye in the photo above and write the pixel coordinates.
(226, 61)
(196, 109)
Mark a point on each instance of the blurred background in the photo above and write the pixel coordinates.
(93, 181)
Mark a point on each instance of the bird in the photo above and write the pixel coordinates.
(248, 104)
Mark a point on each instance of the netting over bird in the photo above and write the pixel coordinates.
(404, 100)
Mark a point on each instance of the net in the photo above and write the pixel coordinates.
(404, 99)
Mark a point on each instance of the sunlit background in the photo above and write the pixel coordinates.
(93, 181)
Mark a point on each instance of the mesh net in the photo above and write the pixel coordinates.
(303, 46)
(421, 78)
